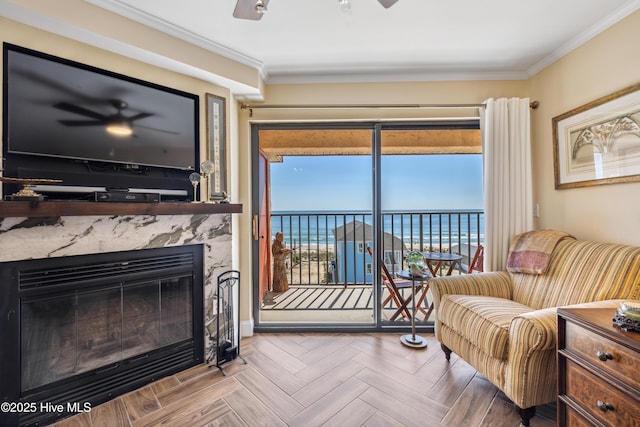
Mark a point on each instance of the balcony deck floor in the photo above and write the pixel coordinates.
(318, 302)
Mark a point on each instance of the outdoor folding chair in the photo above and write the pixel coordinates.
(394, 286)
(477, 263)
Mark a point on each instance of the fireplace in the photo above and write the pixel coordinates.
(79, 330)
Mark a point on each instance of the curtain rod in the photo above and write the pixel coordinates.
(533, 105)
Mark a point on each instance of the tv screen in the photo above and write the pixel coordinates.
(60, 108)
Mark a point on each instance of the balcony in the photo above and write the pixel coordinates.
(330, 269)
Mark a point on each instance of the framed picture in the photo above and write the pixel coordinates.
(217, 138)
(599, 143)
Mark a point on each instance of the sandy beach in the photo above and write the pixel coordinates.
(310, 264)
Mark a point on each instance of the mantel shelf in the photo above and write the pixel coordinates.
(84, 208)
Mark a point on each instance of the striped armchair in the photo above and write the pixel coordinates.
(504, 324)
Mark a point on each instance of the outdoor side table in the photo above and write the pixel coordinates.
(413, 340)
(439, 258)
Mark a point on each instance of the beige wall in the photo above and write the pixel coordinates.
(603, 65)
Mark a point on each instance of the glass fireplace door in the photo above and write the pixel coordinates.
(78, 332)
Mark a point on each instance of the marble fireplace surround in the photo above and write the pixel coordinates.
(24, 238)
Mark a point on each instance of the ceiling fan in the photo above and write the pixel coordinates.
(117, 124)
(254, 9)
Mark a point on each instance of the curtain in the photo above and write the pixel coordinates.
(506, 148)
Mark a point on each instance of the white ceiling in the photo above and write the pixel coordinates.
(302, 41)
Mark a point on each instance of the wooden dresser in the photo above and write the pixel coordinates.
(598, 370)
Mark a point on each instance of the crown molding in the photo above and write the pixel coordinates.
(176, 31)
(291, 75)
(584, 37)
(399, 74)
(16, 13)
(288, 75)
(271, 75)
(356, 74)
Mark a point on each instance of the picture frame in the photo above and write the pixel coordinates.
(217, 143)
(599, 142)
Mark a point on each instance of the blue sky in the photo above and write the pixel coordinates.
(422, 182)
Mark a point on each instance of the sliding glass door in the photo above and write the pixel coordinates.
(340, 205)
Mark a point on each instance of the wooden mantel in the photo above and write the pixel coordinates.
(85, 208)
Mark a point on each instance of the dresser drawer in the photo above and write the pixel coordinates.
(602, 400)
(573, 419)
(617, 360)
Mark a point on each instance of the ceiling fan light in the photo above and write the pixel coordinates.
(119, 129)
(345, 6)
(260, 7)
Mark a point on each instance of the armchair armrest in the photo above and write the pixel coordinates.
(531, 360)
(531, 331)
(493, 284)
(536, 330)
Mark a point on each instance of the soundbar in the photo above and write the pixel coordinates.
(89, 190)
(121, 196)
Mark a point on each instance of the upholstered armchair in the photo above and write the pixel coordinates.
(504, 323)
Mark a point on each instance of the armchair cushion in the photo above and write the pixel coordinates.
(483, 321)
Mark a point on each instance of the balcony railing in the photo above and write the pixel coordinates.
(330, 247)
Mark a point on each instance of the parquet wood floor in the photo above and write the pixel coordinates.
(307, 380)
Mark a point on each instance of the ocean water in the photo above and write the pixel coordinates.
(432, 228)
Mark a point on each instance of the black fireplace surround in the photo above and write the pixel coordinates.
(77, 331)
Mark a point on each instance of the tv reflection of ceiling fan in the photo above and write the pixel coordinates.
(116, 124)
(254, 9)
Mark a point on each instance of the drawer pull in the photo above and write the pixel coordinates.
(604, 356)
(604, 406)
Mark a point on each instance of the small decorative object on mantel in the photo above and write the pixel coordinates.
(195, 180)
(628, 316)
(26, 193)
(225, 197)
(415, 262)
(207, 167)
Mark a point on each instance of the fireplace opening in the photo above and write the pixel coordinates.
(84, 329)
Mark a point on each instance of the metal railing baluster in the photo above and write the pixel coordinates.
(418, 230)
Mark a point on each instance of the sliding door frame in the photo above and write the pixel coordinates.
(377, 127)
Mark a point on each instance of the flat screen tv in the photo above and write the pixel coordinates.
(95, 129)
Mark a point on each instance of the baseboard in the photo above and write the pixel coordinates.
(246, 328)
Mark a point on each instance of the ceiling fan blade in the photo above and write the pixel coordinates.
(75, 123)
(246, 9)
(138, 117)
(76, 109)
(158, 130)
(387, 3)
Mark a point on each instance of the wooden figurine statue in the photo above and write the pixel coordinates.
(279, 252)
